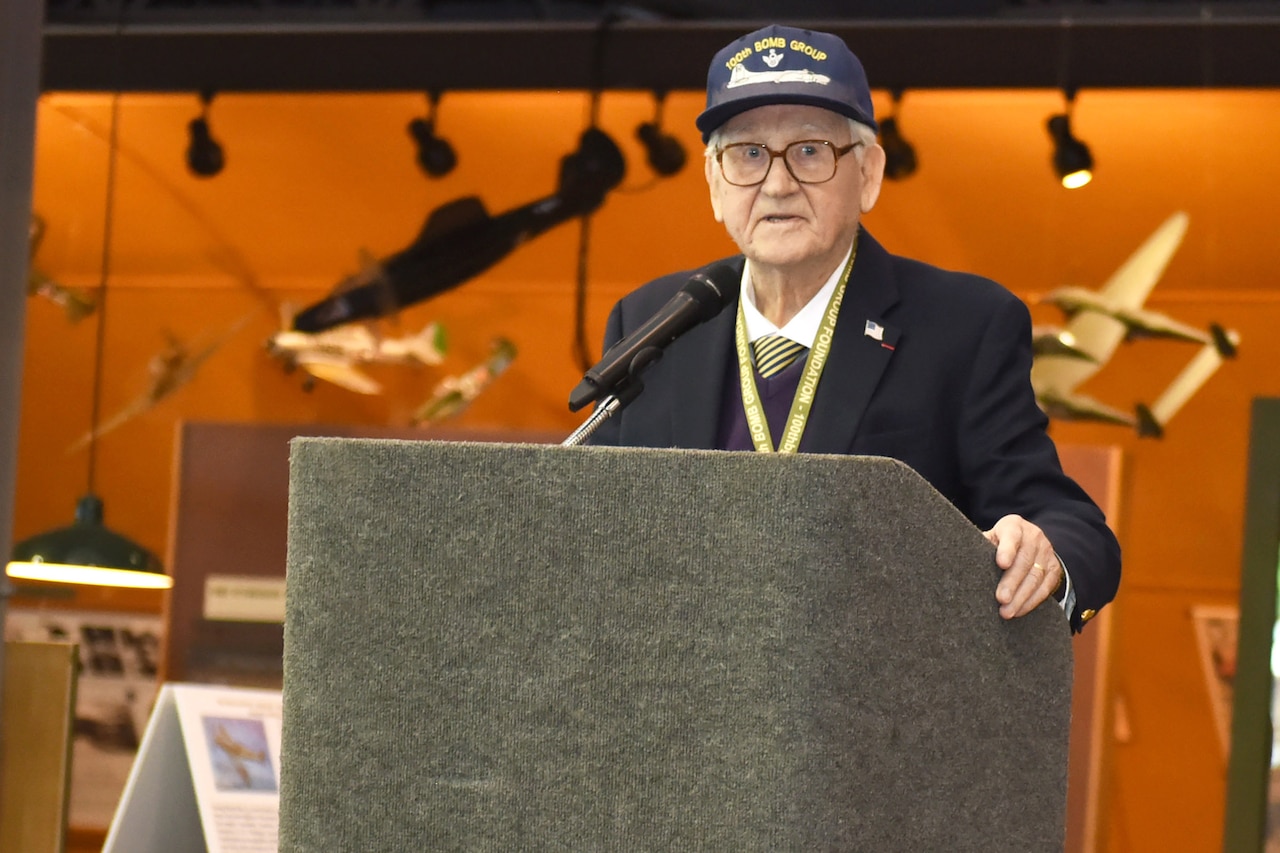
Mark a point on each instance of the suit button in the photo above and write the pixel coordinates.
(1087, 615)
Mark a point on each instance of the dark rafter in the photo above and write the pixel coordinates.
(366, 45)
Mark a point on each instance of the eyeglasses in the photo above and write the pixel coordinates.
(810, 161)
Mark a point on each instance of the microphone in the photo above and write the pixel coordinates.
(707, 292)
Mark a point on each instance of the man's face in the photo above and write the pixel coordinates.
(784, 224)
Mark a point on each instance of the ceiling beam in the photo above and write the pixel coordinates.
(1086, 52)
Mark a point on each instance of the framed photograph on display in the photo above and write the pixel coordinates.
(119, 662)
(1216, 637)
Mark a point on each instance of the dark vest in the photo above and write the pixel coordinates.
(777, 393)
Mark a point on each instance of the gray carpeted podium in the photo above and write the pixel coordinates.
(526, 648)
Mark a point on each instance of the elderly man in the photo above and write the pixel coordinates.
(912, 362)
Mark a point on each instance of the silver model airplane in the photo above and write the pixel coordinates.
(77, 303)
(171, 369)
(1099, 321)
(334, 354)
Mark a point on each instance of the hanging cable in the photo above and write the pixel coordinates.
(104, 272)
(582, 349)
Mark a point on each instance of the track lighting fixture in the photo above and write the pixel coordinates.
(665, 153)
(204, 155)
(1072, 161)
(435, 155)
(899, 154)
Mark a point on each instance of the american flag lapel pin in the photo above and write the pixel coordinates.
(875, 331)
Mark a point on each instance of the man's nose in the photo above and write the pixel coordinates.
(778, 180)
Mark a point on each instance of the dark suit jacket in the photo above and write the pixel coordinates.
(947, 391)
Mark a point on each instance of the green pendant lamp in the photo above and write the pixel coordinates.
(87, 552)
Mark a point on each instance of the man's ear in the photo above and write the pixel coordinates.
(872, 176)
(713, 176)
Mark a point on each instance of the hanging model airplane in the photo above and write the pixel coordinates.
(171, 369)
(1050, 340)
(241, 758)
(77, 303)
(1099, 321)
(454, 393)
(334, 355)
(460, 240)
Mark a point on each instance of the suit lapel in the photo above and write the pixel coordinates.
(860, 352)
(695, 419)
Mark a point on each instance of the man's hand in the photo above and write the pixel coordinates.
(1031, 568)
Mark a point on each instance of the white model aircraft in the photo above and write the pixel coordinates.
(1098, 321)
(1050, 340)
(334, 355)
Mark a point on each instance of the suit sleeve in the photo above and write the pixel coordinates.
(1010, 464)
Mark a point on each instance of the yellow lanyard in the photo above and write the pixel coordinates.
(757, 424)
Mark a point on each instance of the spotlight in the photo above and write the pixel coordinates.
(435, 155)
(899, 154)
(204, 155)
(665, 153)
(1071, 158)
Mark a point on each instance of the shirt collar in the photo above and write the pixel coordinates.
(803, 327)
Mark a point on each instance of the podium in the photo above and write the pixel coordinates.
(522, 647)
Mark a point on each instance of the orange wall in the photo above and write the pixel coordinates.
(313, 181)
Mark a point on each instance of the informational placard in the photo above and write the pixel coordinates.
(237, 598)
(207, 775)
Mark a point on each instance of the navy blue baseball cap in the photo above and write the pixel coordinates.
(786, 65)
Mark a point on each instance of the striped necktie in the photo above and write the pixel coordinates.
(775, 353)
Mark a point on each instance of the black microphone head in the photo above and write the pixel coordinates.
(704, 295)
(713, 288)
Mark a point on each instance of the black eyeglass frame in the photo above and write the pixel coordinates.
(839, 152)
